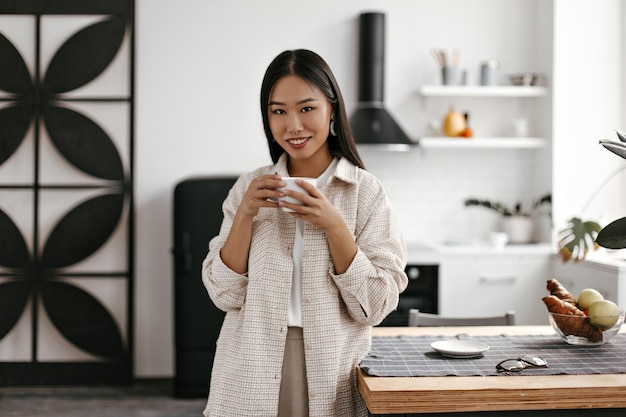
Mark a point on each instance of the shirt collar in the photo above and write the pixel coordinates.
(346, 171)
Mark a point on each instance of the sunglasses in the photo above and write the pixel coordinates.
(516, 365)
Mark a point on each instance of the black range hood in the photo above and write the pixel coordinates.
(371, 123)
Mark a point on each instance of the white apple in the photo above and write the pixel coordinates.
(587, 297)
(603, 314)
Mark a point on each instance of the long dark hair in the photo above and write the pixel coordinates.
(313, 69)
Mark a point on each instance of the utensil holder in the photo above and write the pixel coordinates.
(449, 76)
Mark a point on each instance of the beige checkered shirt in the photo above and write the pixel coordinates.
(337, 310)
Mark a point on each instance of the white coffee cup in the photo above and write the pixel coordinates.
(498, 239)
(520, 127)
(290, 184)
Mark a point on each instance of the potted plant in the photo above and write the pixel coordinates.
(613, 236)
(517, 222)
(578, 237)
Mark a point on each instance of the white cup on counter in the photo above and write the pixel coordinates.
(498, 239)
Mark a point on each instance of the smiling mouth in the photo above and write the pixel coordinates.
(297, 141)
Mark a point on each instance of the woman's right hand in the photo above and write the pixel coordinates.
(236, 249)
(261, 193)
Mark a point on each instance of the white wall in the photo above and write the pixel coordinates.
(199, 68)
(588, 105)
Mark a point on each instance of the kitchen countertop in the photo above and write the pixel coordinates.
(432, 253)
(603, 257)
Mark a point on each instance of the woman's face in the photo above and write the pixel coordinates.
(299, 118)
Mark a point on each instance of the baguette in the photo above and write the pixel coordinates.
(571, 320)
(560, 291)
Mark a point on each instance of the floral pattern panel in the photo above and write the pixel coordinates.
(66, 191)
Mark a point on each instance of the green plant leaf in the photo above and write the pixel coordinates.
(618, 148)
(577, 238)
(613, 236)
(495, 206)
(516, 210)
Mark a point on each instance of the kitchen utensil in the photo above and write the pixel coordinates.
(526, 79)
(449, 76)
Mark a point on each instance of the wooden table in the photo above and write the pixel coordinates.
(419, 395)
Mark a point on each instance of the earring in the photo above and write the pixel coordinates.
(332, 125)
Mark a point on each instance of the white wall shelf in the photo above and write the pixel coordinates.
(482, 91)
(482, 143)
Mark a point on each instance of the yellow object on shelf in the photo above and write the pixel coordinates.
(454, 123)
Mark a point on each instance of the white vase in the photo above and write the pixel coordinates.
(519, 229)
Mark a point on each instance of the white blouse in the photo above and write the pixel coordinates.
(295, 306)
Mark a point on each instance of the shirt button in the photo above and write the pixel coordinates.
(307, 299)
(307, 346)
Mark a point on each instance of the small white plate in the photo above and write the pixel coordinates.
(461, 349)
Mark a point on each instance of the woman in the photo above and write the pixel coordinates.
(301, 289)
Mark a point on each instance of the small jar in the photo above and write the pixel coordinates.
(490, 72)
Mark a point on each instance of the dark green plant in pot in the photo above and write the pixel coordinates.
(517, 222)
(506, 211)
(613, 236)
(579, 236)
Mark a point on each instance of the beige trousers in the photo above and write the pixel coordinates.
(293, 400)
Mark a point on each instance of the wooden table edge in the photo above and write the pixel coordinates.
(397, 395)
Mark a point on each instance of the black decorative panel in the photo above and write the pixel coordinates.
(66, 191)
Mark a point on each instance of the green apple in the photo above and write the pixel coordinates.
(603, 314)
(587, 297)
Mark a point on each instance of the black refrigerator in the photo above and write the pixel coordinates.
(197, 322)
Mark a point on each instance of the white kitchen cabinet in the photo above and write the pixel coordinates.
(482, 92)
(491, 284)
(607, 277)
